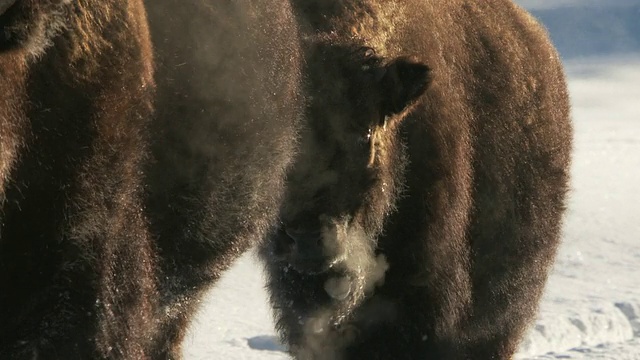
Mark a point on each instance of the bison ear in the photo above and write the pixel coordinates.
(403, 81)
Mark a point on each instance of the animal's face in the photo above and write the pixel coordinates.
(30, 24)
(348, 172)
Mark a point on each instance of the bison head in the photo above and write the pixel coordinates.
(348, 172)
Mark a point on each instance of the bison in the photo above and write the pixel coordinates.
(139, 155)
(424, 208)
(76, 262)
(227, 107)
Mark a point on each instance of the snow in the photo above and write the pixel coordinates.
(554, 4)
(592, 300)
(591, 307)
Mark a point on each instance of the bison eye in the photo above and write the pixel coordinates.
(365, 138)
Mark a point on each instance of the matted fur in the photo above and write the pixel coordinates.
(478, 180)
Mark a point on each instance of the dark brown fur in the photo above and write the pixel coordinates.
(439, 246)
(227, 109)
(81, 193)
(75, 258)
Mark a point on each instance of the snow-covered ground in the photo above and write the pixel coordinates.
(592, 303)
(591, 309)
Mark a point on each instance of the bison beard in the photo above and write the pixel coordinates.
(440, 130)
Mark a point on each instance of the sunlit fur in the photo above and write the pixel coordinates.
(344, 183)
(115, 218)
(77, 265)
(452, 216)
(227, 108)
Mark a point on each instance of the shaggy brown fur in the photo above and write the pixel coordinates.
(225, 129)
(75, 259)
(433, 238)
(78, 272)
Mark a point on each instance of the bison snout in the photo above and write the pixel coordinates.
(306, 241)
(305, 249)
